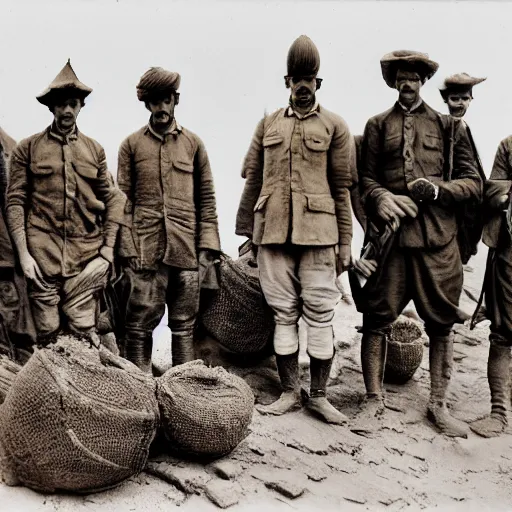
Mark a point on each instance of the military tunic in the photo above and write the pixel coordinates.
(424, 263)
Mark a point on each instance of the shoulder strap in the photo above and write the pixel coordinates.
(448, 139)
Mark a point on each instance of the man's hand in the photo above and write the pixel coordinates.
(393, 207)
(253, 261)
(503, 201)
(31, 270)
(343, 258)
(132, 263)
(107, 253)
(423, 190)
(365, 267)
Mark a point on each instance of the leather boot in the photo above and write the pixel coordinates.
(441, 362)
(498, 375)
(138, 347)
(288, 369)
(182, 347)
(373, 360)
(318, 403)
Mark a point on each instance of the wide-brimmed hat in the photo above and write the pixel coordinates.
(66, 82)
(157, 81)
(303, 58)
(408, 59)
(460, 82)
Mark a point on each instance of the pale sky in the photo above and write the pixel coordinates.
(232, 59)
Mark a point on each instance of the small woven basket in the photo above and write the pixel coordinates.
(405, 352)
(238, 315)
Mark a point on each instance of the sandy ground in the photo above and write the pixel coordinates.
(315, 466)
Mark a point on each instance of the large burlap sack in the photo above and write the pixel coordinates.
(205, 411)
(77, 419)
(237, 315)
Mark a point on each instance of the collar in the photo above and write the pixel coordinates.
(54, 132)
(290, 111)
(174, 129)
(413, 108)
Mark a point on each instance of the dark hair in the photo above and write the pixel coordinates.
(455, 90)
(155, 96)
(59, 97)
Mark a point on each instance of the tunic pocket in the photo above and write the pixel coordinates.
(41, 169)
(184, 166)
(321, 204)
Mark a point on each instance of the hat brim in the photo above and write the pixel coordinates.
(390, 65)
(49, 96)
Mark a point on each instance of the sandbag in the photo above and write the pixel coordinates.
(204, 411)
(77, 418)
(237, 315)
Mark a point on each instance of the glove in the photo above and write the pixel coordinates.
(391, 207)
(365, 267)
(207, 272)
(423, 190)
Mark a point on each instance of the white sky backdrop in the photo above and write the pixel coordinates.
(232, 58)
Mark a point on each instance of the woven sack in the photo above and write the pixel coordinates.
(205, 411)
(237, 315)
(405, 352)
(8, 371)
(77, 419)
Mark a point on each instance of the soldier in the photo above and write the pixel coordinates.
(498, 292)
(457, 93)
(405, 184)
(18, 332)
(63, 212)
(295, 208)
(171, 229)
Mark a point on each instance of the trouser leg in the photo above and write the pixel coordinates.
(441, 364)
(498, 376)
(280, 286)
(183, 307)
(145, 309)
(80, 298)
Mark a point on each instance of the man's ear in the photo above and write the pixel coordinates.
(176, 98)
(147, 105)
(318, 83)
(287, 82)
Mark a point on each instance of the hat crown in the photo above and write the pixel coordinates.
(66, 79)
(303, 58)
(157, 80)
(419, 61)
(462, 81)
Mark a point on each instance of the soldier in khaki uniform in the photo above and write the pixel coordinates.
(63, 212)
(171, 237)
(295, 208)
